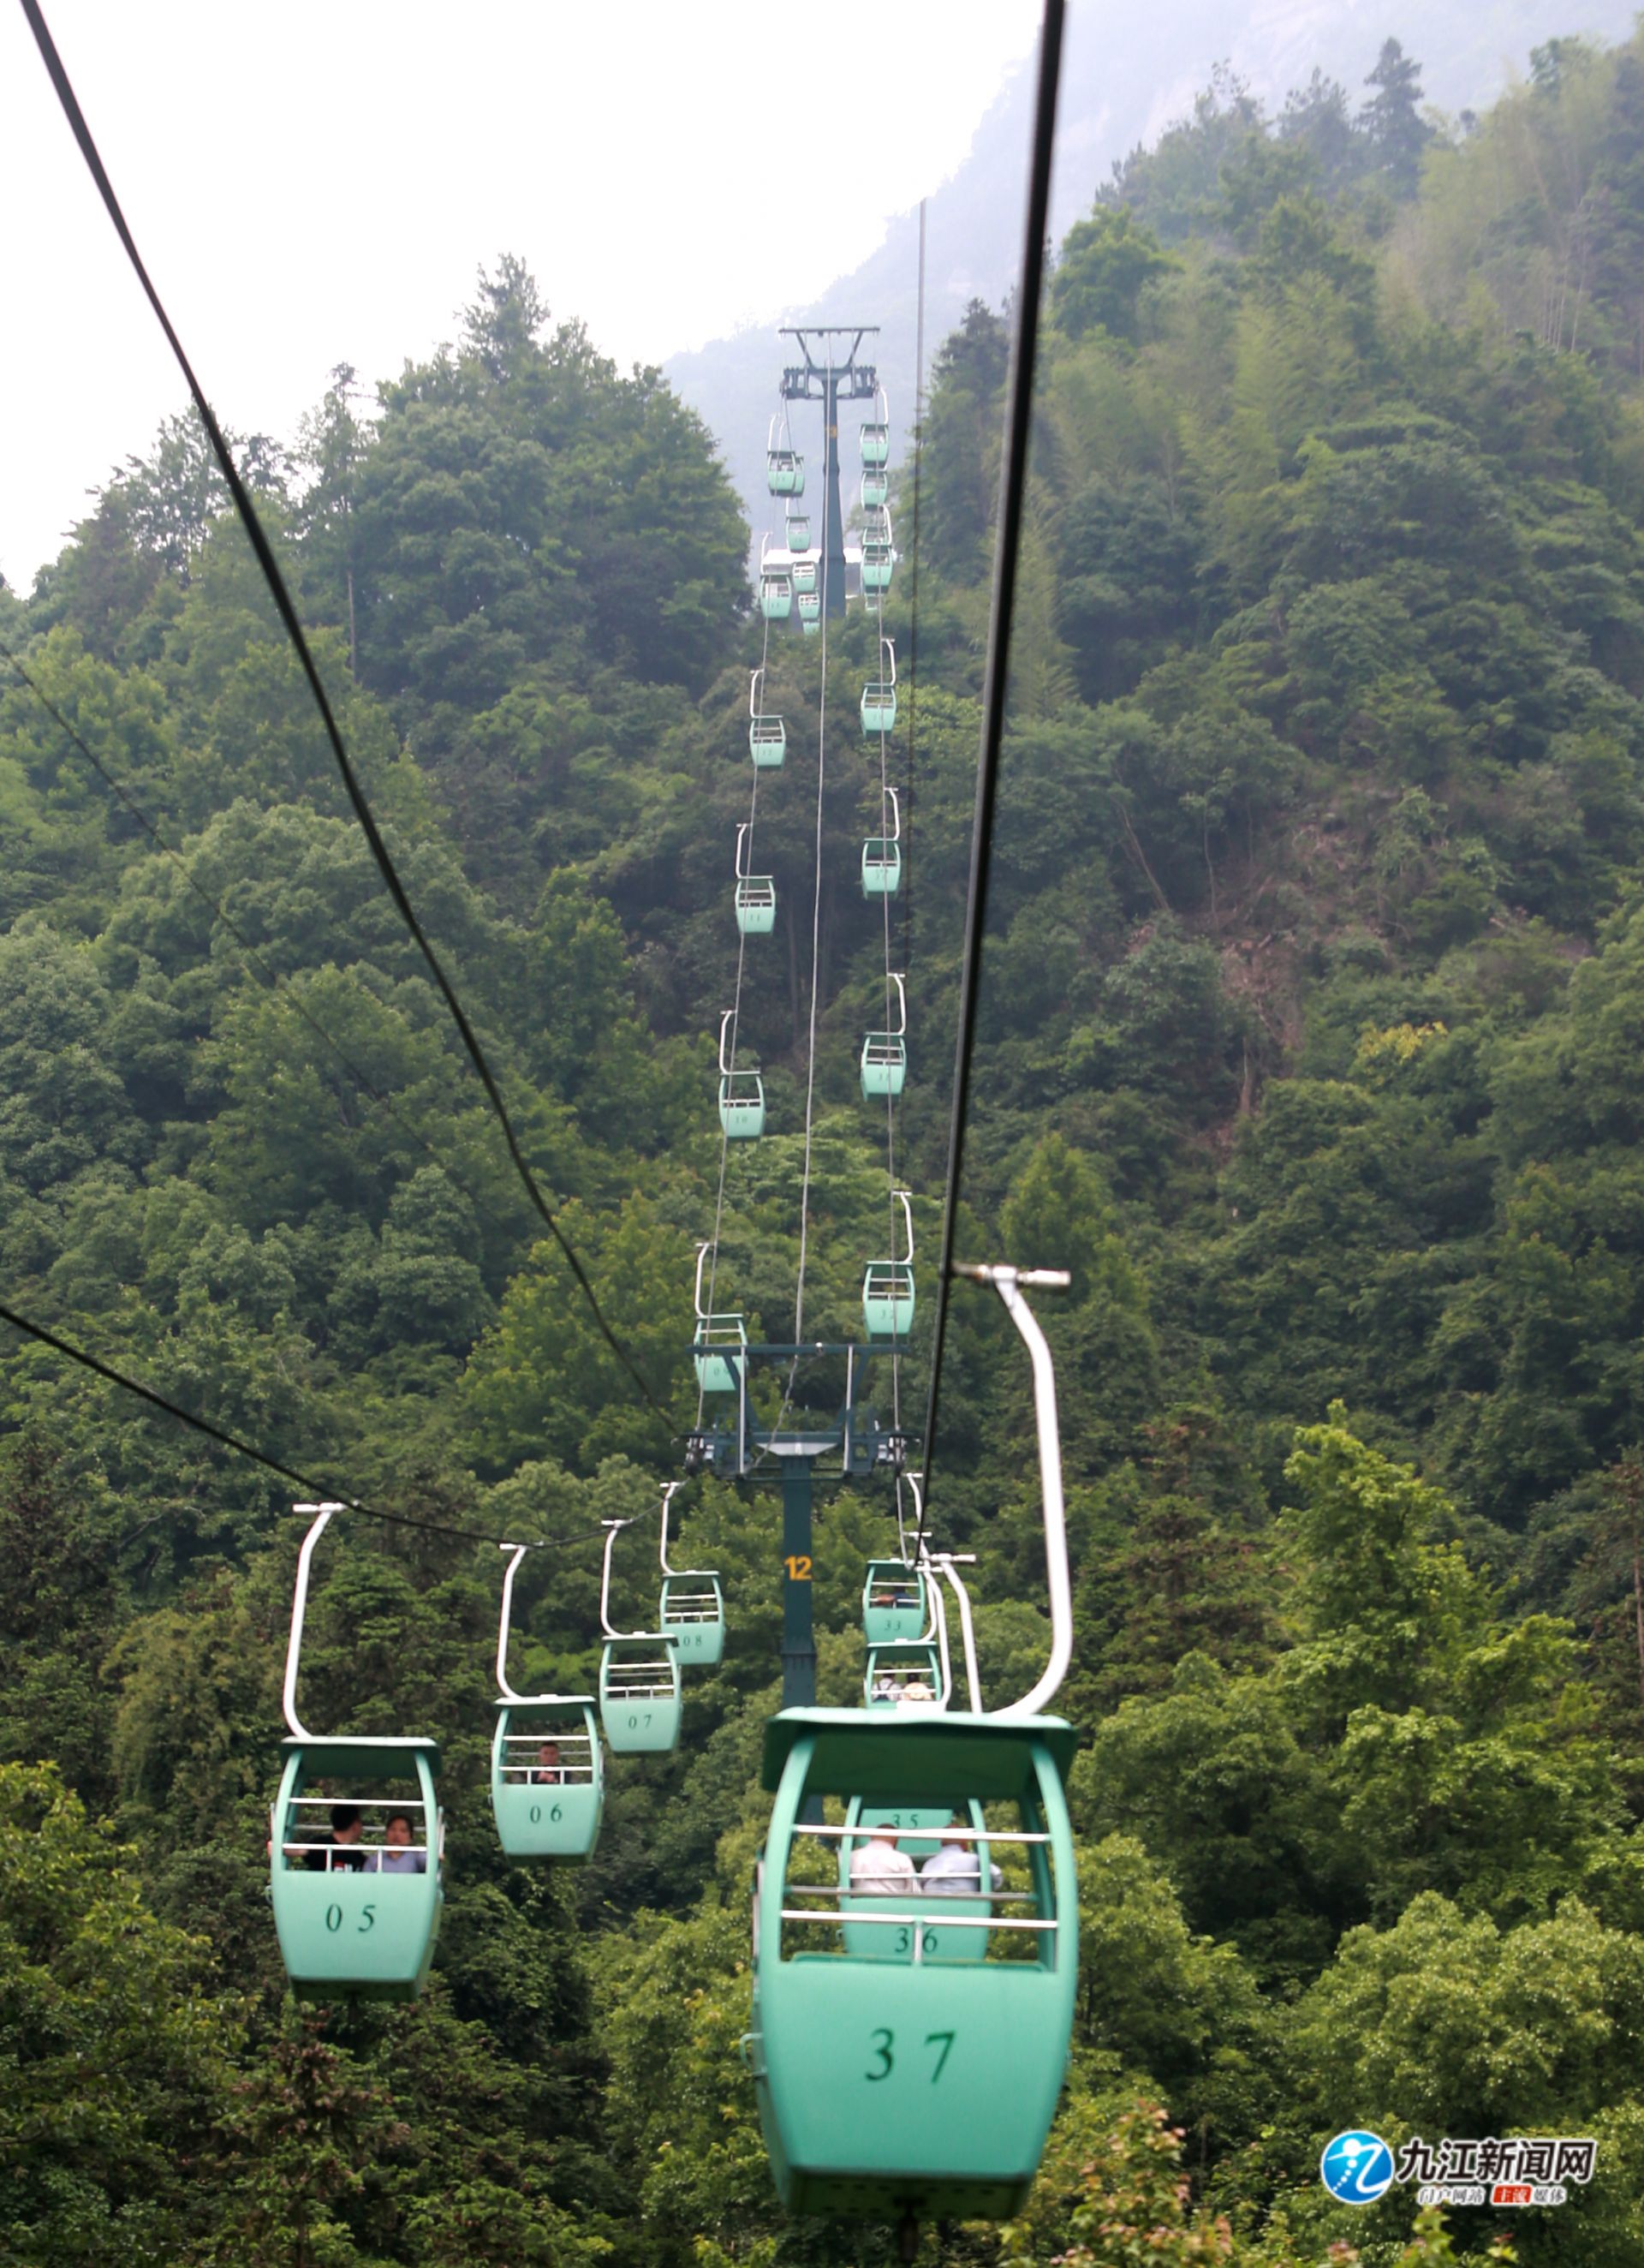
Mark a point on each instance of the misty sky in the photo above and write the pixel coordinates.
(313, 181)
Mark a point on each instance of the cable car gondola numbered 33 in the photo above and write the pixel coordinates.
(895, 1603)
(913, 2086)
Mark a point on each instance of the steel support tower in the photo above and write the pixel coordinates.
(824, 377)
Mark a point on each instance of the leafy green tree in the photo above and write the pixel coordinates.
(114, 2049)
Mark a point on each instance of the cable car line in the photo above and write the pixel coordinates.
(735, 1004)
(305, 1481)
(1012, 498)
(815, 937)
(276, 980)
(287, 609)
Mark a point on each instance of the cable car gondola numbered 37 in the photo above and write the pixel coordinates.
(913, 2087)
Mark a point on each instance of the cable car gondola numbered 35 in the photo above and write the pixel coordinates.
(915, 2087)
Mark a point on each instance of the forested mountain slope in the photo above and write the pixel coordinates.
(1312, 1000)
(1125, 73)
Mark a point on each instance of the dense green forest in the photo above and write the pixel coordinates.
(1312, 1010)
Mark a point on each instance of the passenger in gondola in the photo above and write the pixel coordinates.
(396, 1856)
(886, 1688)
(955, 1870)
(340, 1852)
(915, 1693)
(878, 1868)
(548, 1772)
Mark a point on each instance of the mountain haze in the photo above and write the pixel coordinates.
(1126, 74)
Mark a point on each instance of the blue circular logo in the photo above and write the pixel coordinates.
(1357, 2167)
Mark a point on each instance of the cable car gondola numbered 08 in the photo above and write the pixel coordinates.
(913, 2086)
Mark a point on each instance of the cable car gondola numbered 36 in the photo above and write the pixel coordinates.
(913, 2087)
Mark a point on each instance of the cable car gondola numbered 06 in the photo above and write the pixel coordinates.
(913, 2086)
(547, 1777)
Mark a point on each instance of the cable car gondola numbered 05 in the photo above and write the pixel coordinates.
(913, 2086)
(351, 1924)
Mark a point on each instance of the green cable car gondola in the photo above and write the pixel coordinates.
(882, 854)
(875, 488)
(878, 553)
(887, 1289)
(357, 1905)
(895, 1603)
(741, 1096)
(776, 593)
(883, 1066)
(876, 433)
(913, 2089)
(798, 532)
(693, 1610)
(720, 1348)
(879, 695)
(693, 1616)
(906, 1674)
(742, 1105)
(784, 467)
(547, 1769)
(767, 736)
(756, 894)
(756, 905)
(909, 1827)
(803, 574)
(639, 1702)
(881, 866)
(884, 1053)
(809, 605)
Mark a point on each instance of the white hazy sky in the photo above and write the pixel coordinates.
(314, 181)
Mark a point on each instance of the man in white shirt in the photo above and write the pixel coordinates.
(955, 1870)
(879, 1869)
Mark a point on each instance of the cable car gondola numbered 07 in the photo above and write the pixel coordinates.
(913, 2087)
(640, 1704)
